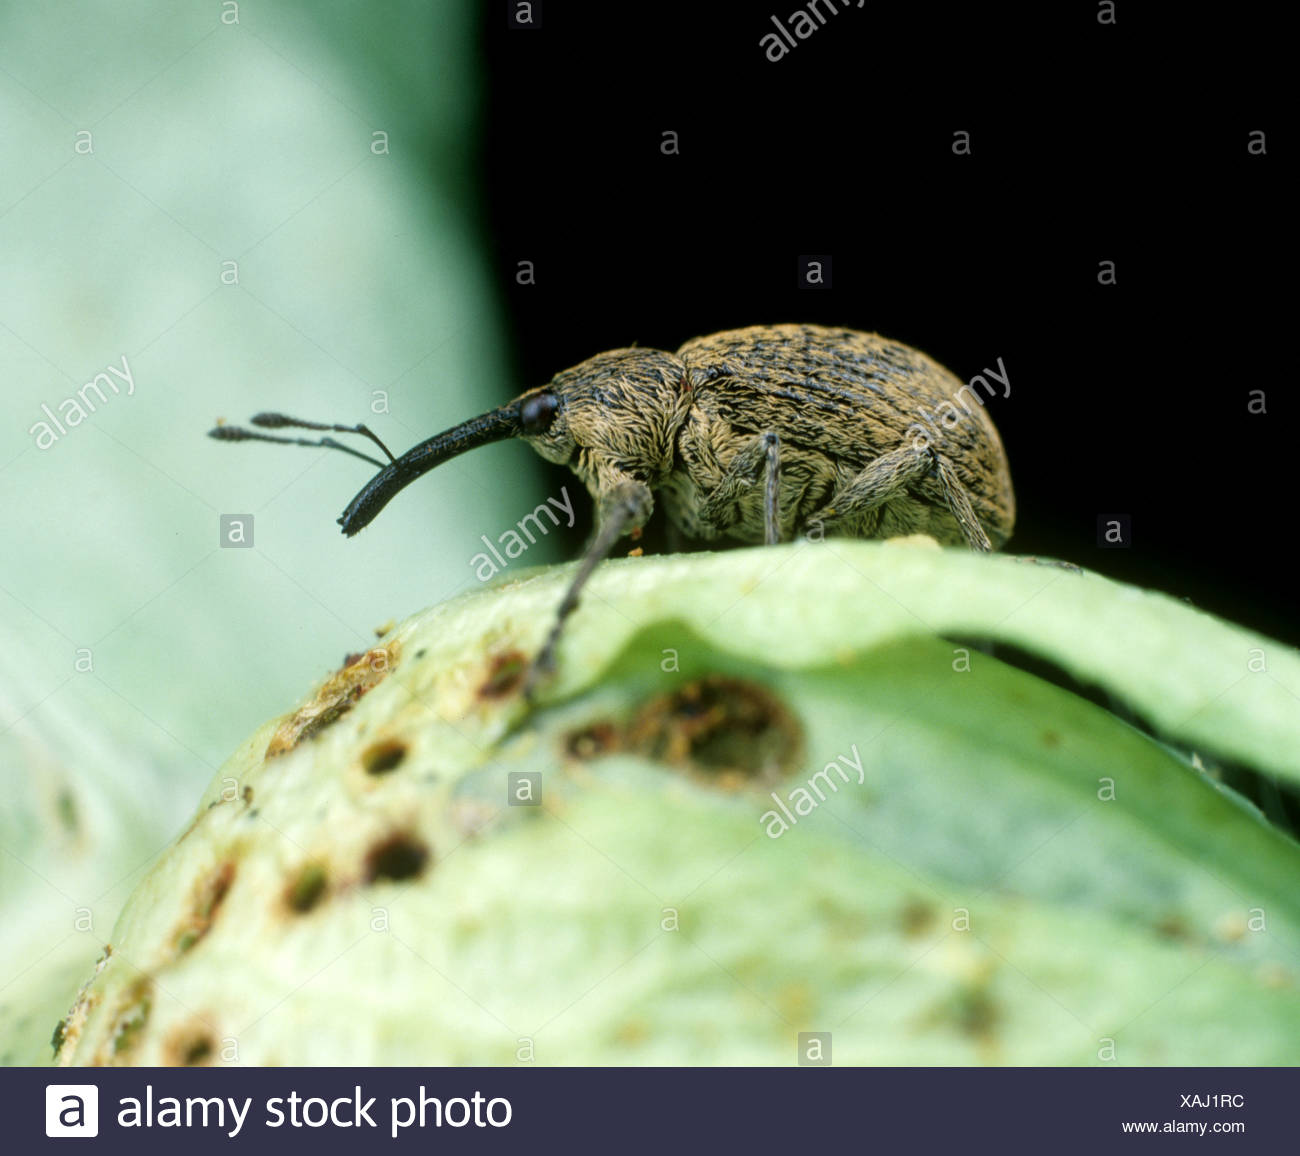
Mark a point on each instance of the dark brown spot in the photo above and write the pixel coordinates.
(916, 917)
(208, 897)
(384, 756)
(1051, 739)
(505, 675)
(976, 1011)
(721, 725)
(341, 692)
(1173, 926)
(60, 1033)
(190, 1046)
(247, 795)
(307, 888)
(199, 1052)
(397, 857)
(590, 742)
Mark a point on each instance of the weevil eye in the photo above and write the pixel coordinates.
(538, 412)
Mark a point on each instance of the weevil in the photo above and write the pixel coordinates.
(758, 434)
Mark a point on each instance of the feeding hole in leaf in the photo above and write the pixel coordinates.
(722, 725)
(396, 858)
(384, 756)
(307, 888)
(209, 895)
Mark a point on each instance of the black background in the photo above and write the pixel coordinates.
(1089, 143)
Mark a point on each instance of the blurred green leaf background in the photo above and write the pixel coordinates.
(320, 154)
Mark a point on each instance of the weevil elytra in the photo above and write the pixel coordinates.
(758, 434)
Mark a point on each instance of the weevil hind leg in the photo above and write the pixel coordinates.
(626, 506)
(771, 488)
(760, 458)
(892, 475)
(959, 505)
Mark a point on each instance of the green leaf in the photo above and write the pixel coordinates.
(776, 798)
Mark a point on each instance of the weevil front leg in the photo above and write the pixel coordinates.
(622, 508)
(890, 476)
(760, 458)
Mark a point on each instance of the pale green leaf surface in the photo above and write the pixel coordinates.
(1019, 877)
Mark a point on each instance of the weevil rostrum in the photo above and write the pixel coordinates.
(759, 434)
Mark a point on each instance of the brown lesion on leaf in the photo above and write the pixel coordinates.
(339, 694)
(505, 675)
(383, 756)
(129, 1022)
(1173, 925)
(975, 1011)
(916, 917)
(307, 888)
(190, 1046)
(209, 894)
(590, 742)
(731, 729)
(397, 857)
(970, 1009)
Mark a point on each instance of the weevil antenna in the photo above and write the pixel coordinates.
(495, 426)
(234, 433)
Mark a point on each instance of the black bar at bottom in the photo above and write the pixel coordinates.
(796, 1110)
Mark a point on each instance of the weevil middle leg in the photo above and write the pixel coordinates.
(760, 458)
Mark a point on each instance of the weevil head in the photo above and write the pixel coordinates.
(619, 409)
(616, 413)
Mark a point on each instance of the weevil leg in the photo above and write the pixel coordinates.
(890, 476)
(625, 507)
(772, 476)
(1072, 567)
(761, 458)
(959, 504)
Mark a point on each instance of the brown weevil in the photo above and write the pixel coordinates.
(759, 434)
